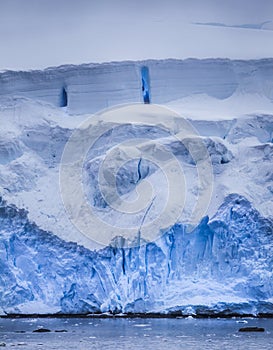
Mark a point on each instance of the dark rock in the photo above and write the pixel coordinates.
(60, 330)
(41, 330)
(251, 329)
(2, 344)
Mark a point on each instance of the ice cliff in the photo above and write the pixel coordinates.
(223, 266)
(92, 87)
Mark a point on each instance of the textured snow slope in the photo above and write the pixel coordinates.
(224, 265)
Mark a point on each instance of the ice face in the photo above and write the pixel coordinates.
(223, 266)
(93, 87)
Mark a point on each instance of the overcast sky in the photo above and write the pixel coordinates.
(42, 33)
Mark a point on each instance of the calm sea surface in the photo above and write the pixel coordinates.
(136, 333)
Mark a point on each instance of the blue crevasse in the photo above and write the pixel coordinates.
(224, 266)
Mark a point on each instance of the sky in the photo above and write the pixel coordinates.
(35, 34)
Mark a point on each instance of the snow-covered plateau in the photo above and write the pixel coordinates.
(223, 264)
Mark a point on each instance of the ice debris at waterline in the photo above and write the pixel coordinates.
(224, 266)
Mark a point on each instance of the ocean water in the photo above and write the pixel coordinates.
(135, 333)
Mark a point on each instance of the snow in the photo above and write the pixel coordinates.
(38, 35)
(222, 112)
(202, 106)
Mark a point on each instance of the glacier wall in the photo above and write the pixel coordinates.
(224, 266)
(92, 87)
(227, 258)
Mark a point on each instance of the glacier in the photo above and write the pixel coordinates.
(223, 267)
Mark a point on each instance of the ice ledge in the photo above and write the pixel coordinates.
(88, 88)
